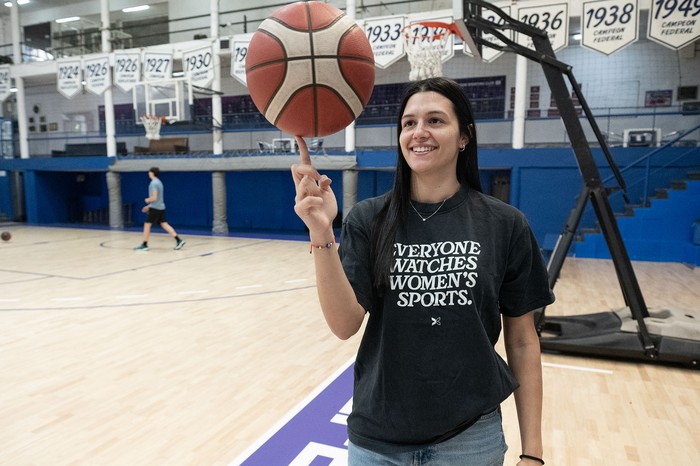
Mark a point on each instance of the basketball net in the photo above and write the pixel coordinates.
(152, 124)
(425, 50)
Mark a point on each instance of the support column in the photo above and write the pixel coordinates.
(217, 115)
(520, 102)
(22, 123)
(110, 128)
(114, 193)
(349, 190)
(350, 130)
(218, 188)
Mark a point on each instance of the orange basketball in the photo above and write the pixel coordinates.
(310, 69)
(6, 236)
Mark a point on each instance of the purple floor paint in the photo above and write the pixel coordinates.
(314, 433)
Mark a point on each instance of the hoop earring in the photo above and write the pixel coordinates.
(461, 148)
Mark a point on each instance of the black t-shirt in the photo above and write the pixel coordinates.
(427, 364)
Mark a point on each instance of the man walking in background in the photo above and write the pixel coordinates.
(155, 207)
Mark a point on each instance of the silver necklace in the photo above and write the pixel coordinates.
(426, 218)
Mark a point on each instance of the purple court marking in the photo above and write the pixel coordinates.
(314, 433)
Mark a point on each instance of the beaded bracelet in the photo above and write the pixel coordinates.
(533, 458)
(323, 246)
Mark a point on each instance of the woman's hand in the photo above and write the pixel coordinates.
(315, 202)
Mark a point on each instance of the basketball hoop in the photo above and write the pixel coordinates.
(425, 43)
(152, 124)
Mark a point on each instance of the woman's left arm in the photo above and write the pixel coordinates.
(523, 353)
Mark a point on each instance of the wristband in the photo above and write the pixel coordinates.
(322, 246)
(533, 458)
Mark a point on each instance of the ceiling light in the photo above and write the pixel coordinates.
(68, 20)
(19, 2)
(136, 8)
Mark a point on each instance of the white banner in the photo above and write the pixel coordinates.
(551, 17)
(239, 50)
(384, 35)
(198, 64)
(5, 82)
(487, 53)
(97, 73)
(674, 23)
(157, 66)
(127, 69)
(68, 76)
(609, 25)
(419, 31)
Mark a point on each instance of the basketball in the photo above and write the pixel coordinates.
(6, 236)
(310, 69)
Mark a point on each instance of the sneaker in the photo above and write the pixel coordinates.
(180, 244)
(143, 247)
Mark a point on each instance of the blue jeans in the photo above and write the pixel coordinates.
(482, 444)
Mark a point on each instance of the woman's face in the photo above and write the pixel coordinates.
(430, 137)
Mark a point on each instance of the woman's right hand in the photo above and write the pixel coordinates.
(315, 202)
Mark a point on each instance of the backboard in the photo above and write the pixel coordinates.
(169, 98)
(463, 10)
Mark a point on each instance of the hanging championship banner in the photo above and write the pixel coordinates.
(5, 82)
(487, 53)
(96, 73)
(674, 23)
(609, 25)
(418, 30)
(157, 66)
(68, 76)
(239, 50)
(551, 17)
(198, 64)
(384, 35)
(127, 69)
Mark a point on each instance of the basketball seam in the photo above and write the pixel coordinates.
(284, 60)
(309, 23)
(351, 85)
(292, 28)
(315, 86)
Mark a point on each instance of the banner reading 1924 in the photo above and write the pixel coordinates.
(68, 77)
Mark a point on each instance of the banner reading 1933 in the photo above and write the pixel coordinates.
(384, 35)
(239, 50)
(609, 25)
(674, 23)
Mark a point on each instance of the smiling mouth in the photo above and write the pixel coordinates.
(422, 150)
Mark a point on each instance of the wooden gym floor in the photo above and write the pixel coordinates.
(115, 357)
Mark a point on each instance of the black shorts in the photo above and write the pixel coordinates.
(156, 216)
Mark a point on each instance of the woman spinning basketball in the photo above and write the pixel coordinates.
(435, 265)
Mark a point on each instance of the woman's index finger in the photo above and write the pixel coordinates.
(303, 151)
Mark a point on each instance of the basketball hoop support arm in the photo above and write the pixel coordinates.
(593, 189)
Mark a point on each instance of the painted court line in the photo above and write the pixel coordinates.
(194, 292)
(245, 287)
(131, 296)
(577, 368)
(9, 300)
(265, 438)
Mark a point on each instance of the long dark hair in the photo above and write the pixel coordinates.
(394, 212)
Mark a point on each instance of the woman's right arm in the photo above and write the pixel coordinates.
(316, 205)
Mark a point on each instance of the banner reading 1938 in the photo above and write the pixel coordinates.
(609, 25)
